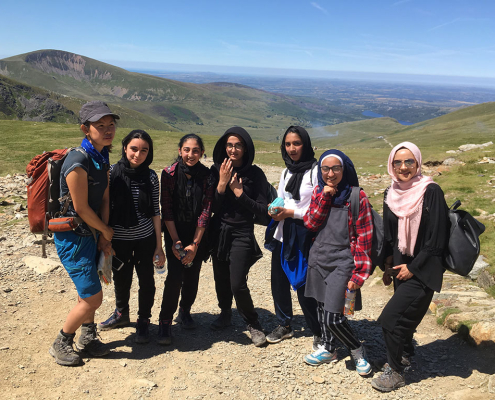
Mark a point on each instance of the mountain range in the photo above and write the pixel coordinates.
(201, 108)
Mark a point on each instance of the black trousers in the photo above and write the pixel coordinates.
(401, 316)
(282, 297)
(135, 254)
(231, 276)
(181, 282)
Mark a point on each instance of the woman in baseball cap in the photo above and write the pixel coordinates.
(84, 175)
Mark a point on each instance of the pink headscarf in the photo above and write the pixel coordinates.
(405, 199)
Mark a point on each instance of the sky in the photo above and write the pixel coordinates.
(425, 37)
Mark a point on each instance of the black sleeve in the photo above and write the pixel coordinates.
(436, 231)
(388, 245)
(259, 204)
(218, 198)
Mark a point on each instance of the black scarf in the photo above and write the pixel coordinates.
(187, 190)
(219, 154)
(300, 167)
(122, 210)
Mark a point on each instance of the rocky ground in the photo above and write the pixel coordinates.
(204, 364)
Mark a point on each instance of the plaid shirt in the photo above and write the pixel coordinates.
(167, 195)
(360, 241)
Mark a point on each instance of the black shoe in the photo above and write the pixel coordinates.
(223, 320)
(257, 336)
(89, 342)
(280, 333)
(185, 319)
(115, 320)
(165, 332)
(62, 350)
(142, 331)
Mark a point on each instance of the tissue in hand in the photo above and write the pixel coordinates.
(278, 202)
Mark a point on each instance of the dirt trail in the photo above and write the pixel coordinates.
(203, 364)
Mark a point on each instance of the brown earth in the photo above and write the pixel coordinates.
(203, 364)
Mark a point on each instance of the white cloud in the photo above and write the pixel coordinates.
(318, 7)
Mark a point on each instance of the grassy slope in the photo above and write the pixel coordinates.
(189, 107)
(130, 118)
(469, 183)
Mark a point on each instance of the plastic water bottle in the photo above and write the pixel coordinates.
(350, 301)
(160, 269)
(182, 254)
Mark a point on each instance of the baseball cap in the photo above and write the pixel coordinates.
(94, 110)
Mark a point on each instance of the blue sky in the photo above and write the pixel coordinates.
(437, 37)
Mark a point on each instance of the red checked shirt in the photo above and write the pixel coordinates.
(360, 240)
(167, 194)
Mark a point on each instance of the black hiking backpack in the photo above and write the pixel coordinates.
(464, 243)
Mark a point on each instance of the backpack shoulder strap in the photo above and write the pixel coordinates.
(354, 200)
(311, 171)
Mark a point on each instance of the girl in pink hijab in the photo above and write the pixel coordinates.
(416, 233)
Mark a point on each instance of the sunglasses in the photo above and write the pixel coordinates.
(336, 169)
(408, 163)
(237, 146)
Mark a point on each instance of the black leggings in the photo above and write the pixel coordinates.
(231, 276)
(282, 299)
(181, 282)
(135, 254)
(401, 316)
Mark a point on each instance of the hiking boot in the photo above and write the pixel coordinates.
(363, 367)
(280, 333)
(115, 320)
(316, 342)
(406, 364)
(257, 336)
(185, 319)
(62, 350)
(389, 380)
(223, 320)
(321, 356)
(165, 332)
(89, 342)
(142, 331)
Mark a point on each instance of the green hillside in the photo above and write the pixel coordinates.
(475, 124)
(206, 108)
(20, 101)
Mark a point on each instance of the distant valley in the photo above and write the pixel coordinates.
(264, 106)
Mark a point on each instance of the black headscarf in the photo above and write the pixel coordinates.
(122, 210)
(220, 154)
(299, 167)
(349, 177)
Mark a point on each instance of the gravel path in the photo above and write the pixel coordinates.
(203, 364)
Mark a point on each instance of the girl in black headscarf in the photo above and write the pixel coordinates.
(135, 218)
(239, 197)
(187, 194)
(290, 247)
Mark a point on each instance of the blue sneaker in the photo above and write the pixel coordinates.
(363, 367)
(115, 320)
(320, 356)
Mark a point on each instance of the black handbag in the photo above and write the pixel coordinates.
(464, 243)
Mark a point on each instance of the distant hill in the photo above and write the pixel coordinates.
(205, 108)
(20, 101)
(23, 102)
(475, 124)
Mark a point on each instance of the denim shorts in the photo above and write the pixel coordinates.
(78, 256)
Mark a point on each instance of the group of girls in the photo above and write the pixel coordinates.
(316, 246)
